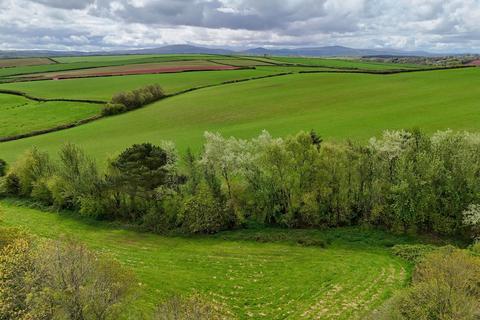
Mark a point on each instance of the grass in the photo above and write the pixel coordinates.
(103, 88)
(346, 64)
(337, 106)
(354, 274)
(20, 115)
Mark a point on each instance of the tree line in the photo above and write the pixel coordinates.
(404, 181)
(130, 100)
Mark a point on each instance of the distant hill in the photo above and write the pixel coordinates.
(329, 51)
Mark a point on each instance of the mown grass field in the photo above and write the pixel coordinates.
(20, 115)
(337, 106)
(353, 275)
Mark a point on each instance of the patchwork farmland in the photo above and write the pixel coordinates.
(251, 272)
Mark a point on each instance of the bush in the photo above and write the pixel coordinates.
(3, 167)
(308, 242)
(203, 213)
(192, 308)
(12, 184)
(111, 109)
(59, 280)
(412, 252)
(445, 286)
(138, 97)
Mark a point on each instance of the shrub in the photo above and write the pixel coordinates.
(412, 252)
(192, 308)
(3, 167)
(111, 109)
(445, 286)
(138, 97)
(12, 184)
(309, 242)
(203, 213)
(59, 280)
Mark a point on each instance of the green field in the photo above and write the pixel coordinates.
(346, 64)
(103, 88)
(253, 280)
(253, 273)
(337, 106)
(20, 115)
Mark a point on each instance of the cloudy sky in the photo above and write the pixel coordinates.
(434, 25)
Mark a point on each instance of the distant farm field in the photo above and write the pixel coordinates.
(346, 64)
(103, 88)
(20, 62)
(132, 69)
(336, 105)
(349, 278)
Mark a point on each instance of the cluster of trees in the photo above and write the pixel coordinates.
(58, 280)
(446, 61)
(126, 101)
(405, 181)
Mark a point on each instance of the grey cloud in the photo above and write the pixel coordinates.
(402, 24)
(66, 4)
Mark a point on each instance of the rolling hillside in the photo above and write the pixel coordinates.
(337, 106)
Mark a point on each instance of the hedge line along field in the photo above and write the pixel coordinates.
(353, 275)
(103, 88)
(336, 105)
(20, 115)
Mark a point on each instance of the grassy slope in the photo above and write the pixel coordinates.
(103, 88)
(353, 275)
(20, 115)
(354, 64)
(341, 106)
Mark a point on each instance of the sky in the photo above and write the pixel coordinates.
(432, 25)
